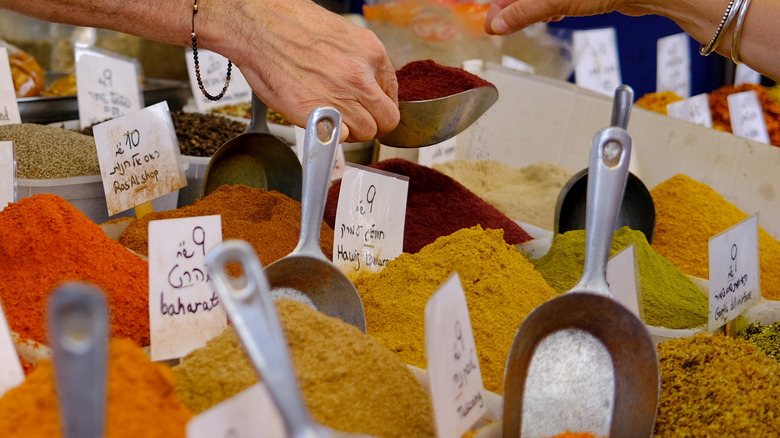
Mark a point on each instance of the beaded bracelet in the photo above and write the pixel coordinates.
(197, 66)
(723, 27)
(738, 31)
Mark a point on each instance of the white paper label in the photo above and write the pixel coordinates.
(339, 161)
(734, 272)
(7, 174)
(673, 68)
(11, 372)
(439, 153)
(623, 280)
(139, 157)
(241, 416)
(596, 65)
(747, 116)
(184, 308)
(457, 390)
(516, 64)
(370, 219)
(746, 75)
(9, 108)
(694, 109)
(107, 85)
(213, 71)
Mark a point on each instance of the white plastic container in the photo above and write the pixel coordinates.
(196, 174)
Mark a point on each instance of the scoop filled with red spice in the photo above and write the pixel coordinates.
(437, 103)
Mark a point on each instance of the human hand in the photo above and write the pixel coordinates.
(297, 56)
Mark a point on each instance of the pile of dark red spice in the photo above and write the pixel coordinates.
(424, 80)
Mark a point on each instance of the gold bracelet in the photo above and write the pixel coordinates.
(723, 27)
(738, 31)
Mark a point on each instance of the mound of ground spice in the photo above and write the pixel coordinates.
(436, 205)
(270, 221)
(721, 118)
(426, 79)
(46, 241)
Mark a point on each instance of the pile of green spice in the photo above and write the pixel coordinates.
(669, 298)
(350, 382)
(716, 386)
(48, 152)
(765, 337)
(501, 288)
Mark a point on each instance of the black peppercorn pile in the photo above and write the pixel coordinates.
(200, 135)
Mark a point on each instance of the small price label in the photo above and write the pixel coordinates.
(747, 116)
(746, 75)
(623, 280)
(457, 390)
(107, 85)
(7, 174)
(9, 108)
(184, 308)
(11, 372)
(673, 68)
(370, 219)
(139, 157)
(734, 272)
(439, 153)
(596, 64)
(213, 71)
(240, 416)
(694, 109)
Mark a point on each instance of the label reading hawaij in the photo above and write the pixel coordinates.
(9, 108)
(184, 308)
(139, 157)
(107, 85)
(370, 218)
(734, 272)
(596, 64)
(456, 383)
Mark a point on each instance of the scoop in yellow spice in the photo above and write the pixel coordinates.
(501, 288)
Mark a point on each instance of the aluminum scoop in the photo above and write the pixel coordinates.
(250, 308)
(427, 122)
(582, 361)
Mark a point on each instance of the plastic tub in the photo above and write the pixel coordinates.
(196, 174)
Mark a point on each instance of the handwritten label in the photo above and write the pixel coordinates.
(9, 108)
(11, 372)
(747, 116)
(734, 272)
(457, 390)
(7, 174)
(240, 416)
(370, 219)
(213, 71)
(184, 308)
(139, 157)
(694, 109)
(596, 65)
(437, 154)
(107, 85)
(339, 161)
(746, 75)
(673, 68)
(516, 64)
(623, 281)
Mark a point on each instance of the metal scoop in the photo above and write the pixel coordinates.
(637, 210)
(78, 333)
(306, 274)
(255, 158)
(427, 122)
(251, 310)
(567, 335)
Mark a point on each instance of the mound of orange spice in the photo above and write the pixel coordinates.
(721, 118)
(46, 241)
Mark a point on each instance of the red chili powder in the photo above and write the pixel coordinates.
(437, 205)
(424, 80)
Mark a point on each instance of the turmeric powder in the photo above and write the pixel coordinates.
(688, 213)
(141, 401)
(501, 288)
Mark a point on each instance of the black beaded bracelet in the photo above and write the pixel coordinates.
(197, 66)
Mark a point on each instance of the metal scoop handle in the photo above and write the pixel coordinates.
(251, 310)
(323, 132)
(258, 124)
(621, 106)
(78, 332)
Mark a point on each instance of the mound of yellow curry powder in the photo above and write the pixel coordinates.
(501, 288)
(350, 382)
(141, 401)
(688, 213)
